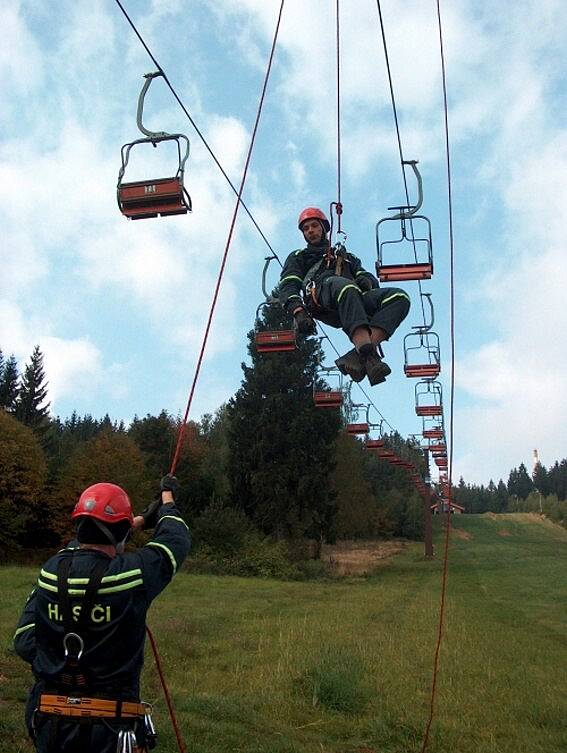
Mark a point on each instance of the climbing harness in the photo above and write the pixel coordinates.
(158, 196)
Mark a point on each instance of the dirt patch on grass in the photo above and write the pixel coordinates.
(361, 557)
(504, 532)
(459, 533)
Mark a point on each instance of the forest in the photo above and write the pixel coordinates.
(265, 480)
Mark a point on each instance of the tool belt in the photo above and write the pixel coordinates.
(61, 705)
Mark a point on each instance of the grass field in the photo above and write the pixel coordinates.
(344, 666)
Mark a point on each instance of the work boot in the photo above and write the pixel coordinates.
(352, 365)
(376, 369)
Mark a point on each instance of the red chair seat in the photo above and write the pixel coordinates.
(275, 341)
(328, 398)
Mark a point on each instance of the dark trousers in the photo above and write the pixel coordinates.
(342, 304)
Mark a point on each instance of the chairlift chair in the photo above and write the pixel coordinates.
(422, 353)
(272, 340)
(329, 398)
(428, 398)
(356, 426)
(421, 268)
(144, 199)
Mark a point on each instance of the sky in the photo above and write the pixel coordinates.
(119, 307)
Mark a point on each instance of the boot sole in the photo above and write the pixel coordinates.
(356, 375)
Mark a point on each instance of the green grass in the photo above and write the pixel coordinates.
(264, 666)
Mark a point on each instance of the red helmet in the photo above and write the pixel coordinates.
(106, 502)
(312, 213)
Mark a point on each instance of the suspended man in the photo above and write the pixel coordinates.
(329, 284)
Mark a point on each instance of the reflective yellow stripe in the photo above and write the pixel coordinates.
(395, 295)
(291, 277)
(362, 272)
(82, 591)
(122, 587)
(166, 549)
(23, 629)
(84, 581)
(172, 517)
(346, 287)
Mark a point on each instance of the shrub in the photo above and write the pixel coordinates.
(337, 681)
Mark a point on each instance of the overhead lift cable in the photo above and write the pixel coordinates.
(397, 127)
(452, 387)
(194, 124)
(228, 242)
(221, 169)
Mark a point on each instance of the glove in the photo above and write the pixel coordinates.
(150, 514)
(364, 283)
(304, 323)
(169, 483)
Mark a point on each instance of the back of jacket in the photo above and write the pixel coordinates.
(115, 629)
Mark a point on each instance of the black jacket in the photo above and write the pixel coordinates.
(114, 638)
(309, 266)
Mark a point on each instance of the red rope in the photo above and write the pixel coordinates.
(225, 255)
(180, 743)
(338, 204)
(452, 393)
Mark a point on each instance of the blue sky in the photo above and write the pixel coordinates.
(119, 307)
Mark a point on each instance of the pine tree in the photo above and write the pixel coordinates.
(31, 408)
(502, 496)
(541, 479)
(281, 447)
(9, 387)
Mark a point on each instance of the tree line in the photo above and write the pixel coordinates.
(268, 465)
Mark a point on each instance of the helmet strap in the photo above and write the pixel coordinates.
(118, 545)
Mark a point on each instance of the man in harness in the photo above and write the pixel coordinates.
(329, 284)
(83, 626)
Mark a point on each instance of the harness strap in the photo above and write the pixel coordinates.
(78, 626)
(62, 705)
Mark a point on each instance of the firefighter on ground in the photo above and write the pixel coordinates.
(329, 284)
(83, 626)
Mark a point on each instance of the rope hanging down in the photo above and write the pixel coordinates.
(339, 206)
(179, 738)
(452, 389)
(228, 242)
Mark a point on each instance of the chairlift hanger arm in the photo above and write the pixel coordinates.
(407, 212)
(140, 111)
(267, 261)
(426, 326)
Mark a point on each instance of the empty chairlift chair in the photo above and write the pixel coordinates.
(422, 354)
(358, 425)
(428, 398)
(272, 340)
(144, 199)
(410, 248)
(332, 397)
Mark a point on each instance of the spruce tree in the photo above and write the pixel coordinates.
(31, 408)
(9, 387)
(281, 447)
